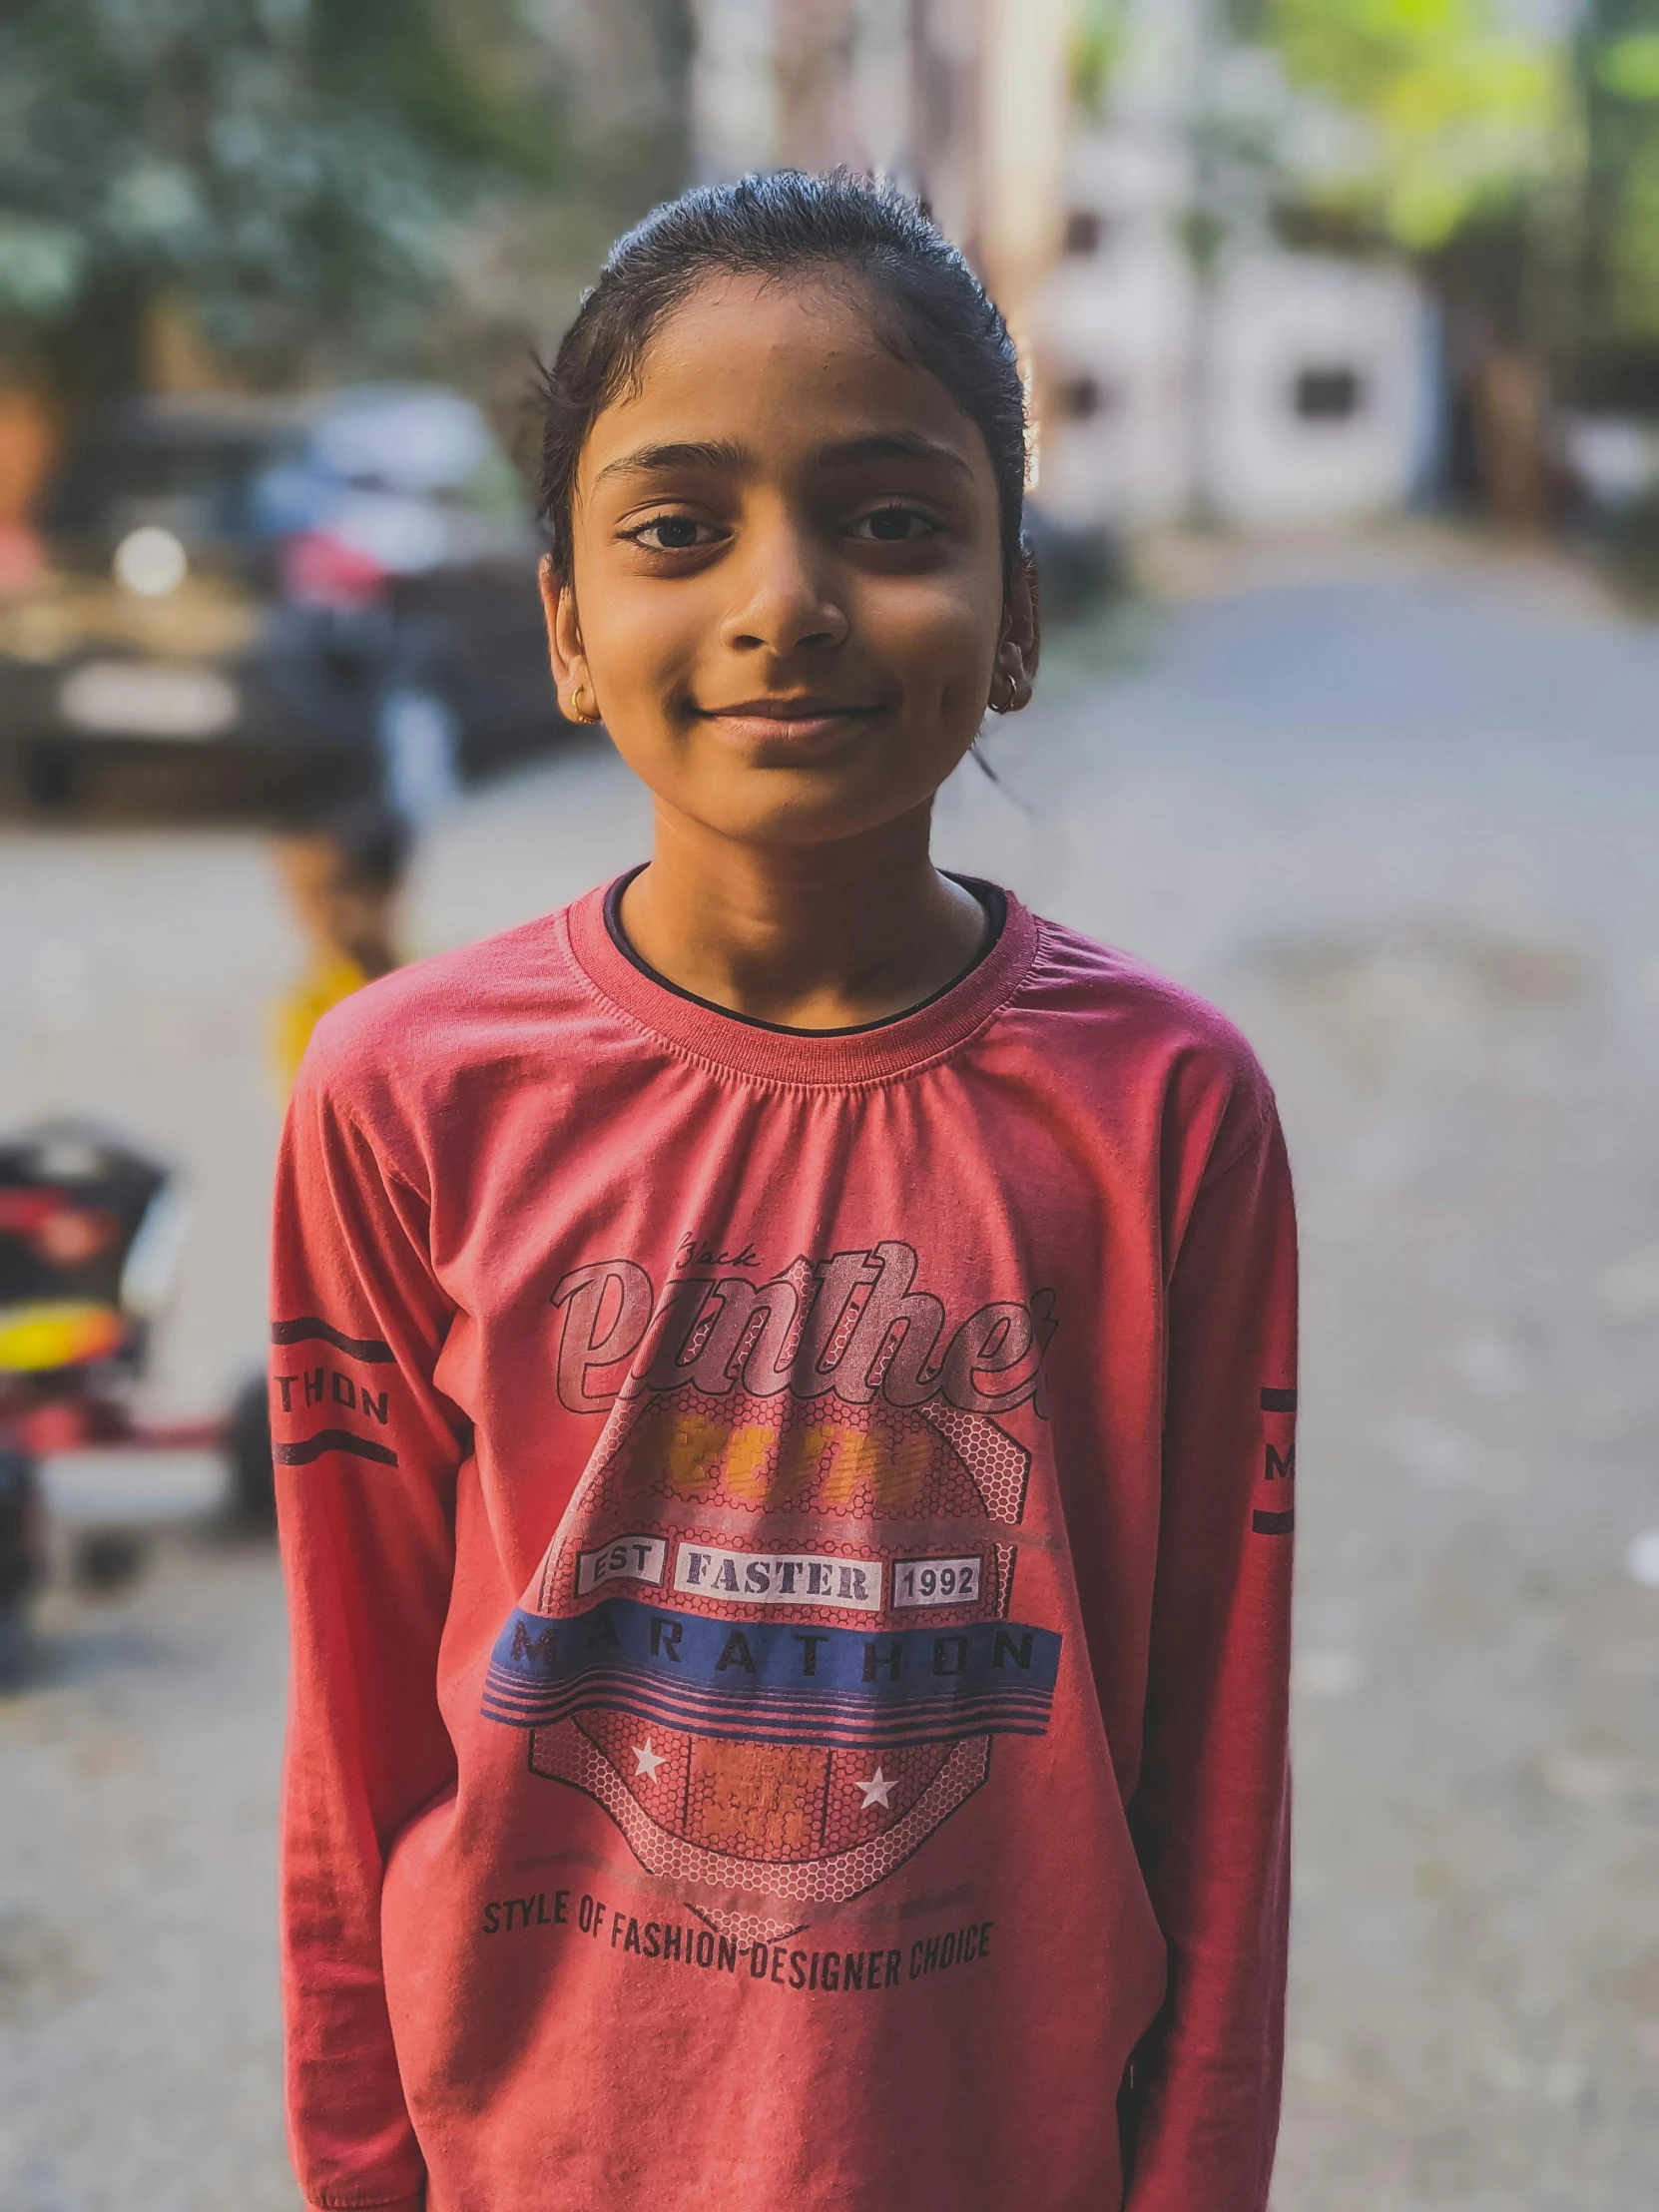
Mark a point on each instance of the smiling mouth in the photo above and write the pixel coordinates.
(795, 720)
(792, 710)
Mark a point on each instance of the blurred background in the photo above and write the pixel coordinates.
(1341, 324)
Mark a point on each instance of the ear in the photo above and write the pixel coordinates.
(1019, 642)
(564, 643)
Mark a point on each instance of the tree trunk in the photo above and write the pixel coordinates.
(1510, 415)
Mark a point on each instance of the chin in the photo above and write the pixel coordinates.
(812, 819)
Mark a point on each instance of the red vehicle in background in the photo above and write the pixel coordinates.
(90, 1230)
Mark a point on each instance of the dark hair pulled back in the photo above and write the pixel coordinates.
(780, 227)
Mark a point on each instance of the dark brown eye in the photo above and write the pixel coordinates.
(670, 534)
(894, 525)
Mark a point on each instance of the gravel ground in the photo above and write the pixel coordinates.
(1394, 805)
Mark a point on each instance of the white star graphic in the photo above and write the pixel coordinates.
(646, 1760)
(877, 1790)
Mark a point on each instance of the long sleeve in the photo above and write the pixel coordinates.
(1211, 1813)
(366, 1454)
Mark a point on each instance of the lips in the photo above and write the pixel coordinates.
(792, 710)
(796, 722)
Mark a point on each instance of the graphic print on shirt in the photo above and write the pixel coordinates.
(772, 1634)
(1276, 1515)
(327, 1384)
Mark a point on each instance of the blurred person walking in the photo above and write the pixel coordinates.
(783, 1378)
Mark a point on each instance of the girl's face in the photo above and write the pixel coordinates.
(787, 600)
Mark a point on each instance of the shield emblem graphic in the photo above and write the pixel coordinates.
(776, 1646)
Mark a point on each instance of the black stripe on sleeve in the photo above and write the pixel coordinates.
(1278, 1402)
(332, 1439)
(370, 1350)
(1273, 1524)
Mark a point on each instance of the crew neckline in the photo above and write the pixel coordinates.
(869, 1052)
(992, 902)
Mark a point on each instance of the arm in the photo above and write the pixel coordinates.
(366, 1456)
(1211, 1813)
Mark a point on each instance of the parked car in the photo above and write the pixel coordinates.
(317, 595)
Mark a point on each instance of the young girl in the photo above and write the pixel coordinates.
(783, 1380)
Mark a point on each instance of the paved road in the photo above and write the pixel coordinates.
(1395, 806)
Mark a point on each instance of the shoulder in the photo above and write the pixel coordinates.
(1117, 1001)
(1108, 1021)
(450, 1005)
(402, 1052)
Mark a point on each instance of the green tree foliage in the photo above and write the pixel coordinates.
(1099, 31)
(1462, 113)
(290, 167)
(1618, 58)
(1523, 168)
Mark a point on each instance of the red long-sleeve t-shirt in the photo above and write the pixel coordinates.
(788, 1547)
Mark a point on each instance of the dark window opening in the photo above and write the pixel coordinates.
(1080, 397)
(1329, 394)
(1086, 230)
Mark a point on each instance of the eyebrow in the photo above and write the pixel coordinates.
(654, 460)
(736, 460)
(889, 445)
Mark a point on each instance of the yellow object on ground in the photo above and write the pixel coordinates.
(57, 1333)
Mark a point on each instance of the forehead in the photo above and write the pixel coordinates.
(782, 368)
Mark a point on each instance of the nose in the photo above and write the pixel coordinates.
(787, 601)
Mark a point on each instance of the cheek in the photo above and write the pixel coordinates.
(637, 639)
(942, 630)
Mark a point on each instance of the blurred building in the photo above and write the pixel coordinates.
(1184, 362)
(1191, 365)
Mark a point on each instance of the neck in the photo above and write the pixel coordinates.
(818, 936)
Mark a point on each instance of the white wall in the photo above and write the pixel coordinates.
(1278, 315)
(1125, 320)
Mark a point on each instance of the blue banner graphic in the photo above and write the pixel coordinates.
(777, 1682)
